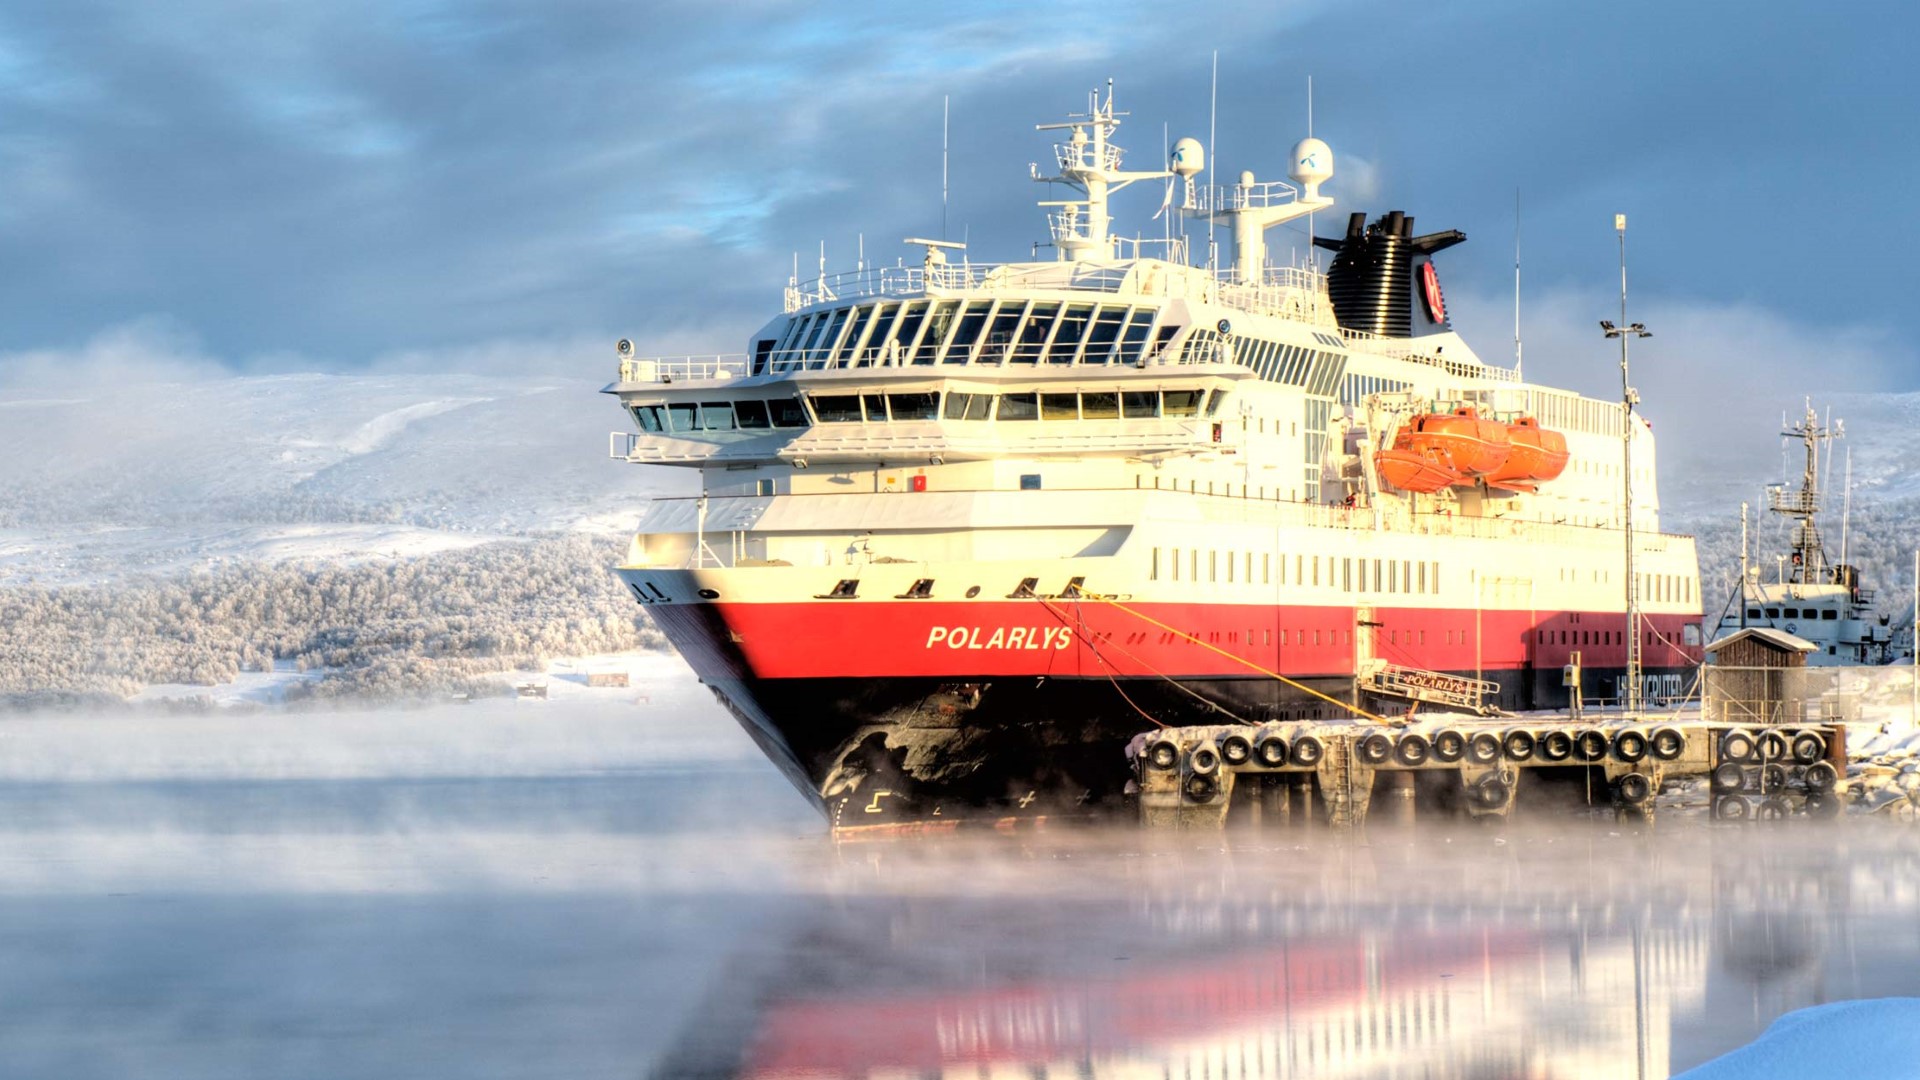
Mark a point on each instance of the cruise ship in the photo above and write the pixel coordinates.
(965, 528)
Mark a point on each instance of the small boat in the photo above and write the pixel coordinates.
(1473, 446)
(1538, 455)
(1425, 471)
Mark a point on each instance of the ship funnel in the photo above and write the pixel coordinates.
(1382, 280)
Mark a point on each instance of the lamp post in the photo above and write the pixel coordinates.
(1632, 701)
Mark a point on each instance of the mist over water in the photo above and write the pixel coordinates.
(590, 889)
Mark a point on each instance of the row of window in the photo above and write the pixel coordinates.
(964, 332)
(1329, 571)
(1316, 371)
(1828, 614)
(745, 414)
(1667, 588)
(1355, 389)
(752, 414)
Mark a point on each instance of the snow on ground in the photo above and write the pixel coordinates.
(655, 680)
(577, 730)
(97, 554)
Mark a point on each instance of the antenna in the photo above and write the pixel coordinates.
(1846, 505)
(862, 264)
(1517, 352)
(1313, 253)
(1213, 118)
(944, 101)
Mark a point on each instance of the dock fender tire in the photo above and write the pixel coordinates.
(1375, 749)
(1630, 745)
(1412, 750)
(1589, 744)
(1236, 749)
(1728, 777)
(1772, 809)
(1490, 791)
(1200, 787)
(1555, 745)
(1271, 750)
(1449, 745)
(1483, 748)
(1738, 746)
(1731, 808)
(1634, 789)
(1667, 743)
(1773, 778)
(1773, 746)
(1823, 806)
(1163, 753)
(1517, 744)
(1808, 747)
(1822, 778)
(1204, 761)
(1308, 750)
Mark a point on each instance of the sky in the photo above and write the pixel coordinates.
(337, 186)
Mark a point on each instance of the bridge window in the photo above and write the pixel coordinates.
(1000, 333)
(750, 414)
(923, 406)
(1140, 404)
(1059, 406)
(817, 355)
(1773, 613)
(683, 416)
(1753, 613)
(1034, 333)
(716, 416)
(1134, 337)
(875, 347)
(844, 355)
(1105, 406)
(1104, 332)
(968, 335)
(939, 322)
(648, 417)
(787, 413)
(876, 405)
(1019, 407)
(837, 408)
(969, 406)
(1066, 338)
(907, 330)
(1180, 402)
(1829, 614)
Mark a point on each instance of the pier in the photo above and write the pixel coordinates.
(1343, 774)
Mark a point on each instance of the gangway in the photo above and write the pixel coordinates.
(1432, 687)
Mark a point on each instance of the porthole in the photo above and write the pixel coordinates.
(973, 592)
(709, 594)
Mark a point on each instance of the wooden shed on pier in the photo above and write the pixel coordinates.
(1757, 675)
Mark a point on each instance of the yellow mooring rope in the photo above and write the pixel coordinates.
(1241, 660)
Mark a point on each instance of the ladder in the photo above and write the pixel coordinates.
(1433, 687)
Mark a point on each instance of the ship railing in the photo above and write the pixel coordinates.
(1409, 350)
(1086, 156)
(1288, 292)
(1221, 198)
(622, 445)
(667, 369)
(1793, 502)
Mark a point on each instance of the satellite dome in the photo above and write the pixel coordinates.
(1312, 165)
(1188, 159)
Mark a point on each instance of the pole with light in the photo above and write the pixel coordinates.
(1632, 700)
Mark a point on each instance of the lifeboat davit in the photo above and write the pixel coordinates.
(1537, 455)
(1425, 471)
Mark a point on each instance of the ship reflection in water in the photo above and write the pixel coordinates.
(1582, 953)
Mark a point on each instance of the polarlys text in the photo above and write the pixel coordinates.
(1005, 637)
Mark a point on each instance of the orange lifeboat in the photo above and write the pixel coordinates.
(1472, 446)
(1425, 471)
(1537, 455)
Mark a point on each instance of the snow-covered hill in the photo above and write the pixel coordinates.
(157, 476)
